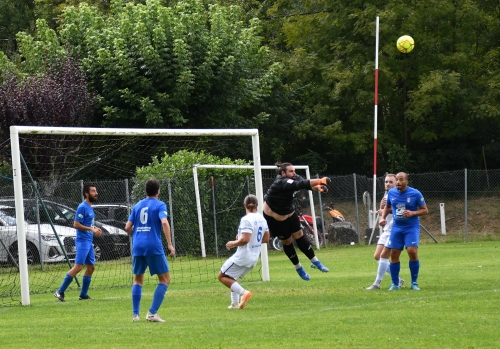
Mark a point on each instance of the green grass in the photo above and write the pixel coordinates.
(458, 307)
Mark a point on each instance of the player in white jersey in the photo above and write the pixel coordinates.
(252, 232)
(382, 253)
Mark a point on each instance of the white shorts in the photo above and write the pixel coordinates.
(234, 270)
(384, 238)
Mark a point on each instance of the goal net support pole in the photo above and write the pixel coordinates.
(15, 131)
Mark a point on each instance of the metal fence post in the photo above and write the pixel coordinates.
(81, 190)
(127, 200)
(356, 205)
(214, 212)
(466, 235)
(321, 214)
(172, 230)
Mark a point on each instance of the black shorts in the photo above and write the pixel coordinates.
(283, 229)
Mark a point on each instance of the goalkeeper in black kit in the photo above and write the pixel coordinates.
(281, 218)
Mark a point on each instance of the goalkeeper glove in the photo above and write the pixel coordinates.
(325, 181)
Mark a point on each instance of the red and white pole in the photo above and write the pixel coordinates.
(375, 124)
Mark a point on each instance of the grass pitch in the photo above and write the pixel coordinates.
(458, 307)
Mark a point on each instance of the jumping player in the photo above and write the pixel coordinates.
(281, 218)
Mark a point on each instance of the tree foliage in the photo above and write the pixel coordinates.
(52, 10)
(438, 100)
(205, 64)
(15, 16)
(157, 66)
(179, 166)
(57, 98)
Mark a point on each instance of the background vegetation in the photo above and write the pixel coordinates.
(300, 71)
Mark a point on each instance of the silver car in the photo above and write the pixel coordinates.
(112, 244)
(41, 242)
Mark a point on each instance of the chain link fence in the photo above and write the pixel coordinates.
(463, 206)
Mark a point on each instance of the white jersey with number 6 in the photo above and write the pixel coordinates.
(253, 223)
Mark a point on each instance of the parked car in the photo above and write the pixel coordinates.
(113, 214)
(113, 243)
(41, 242)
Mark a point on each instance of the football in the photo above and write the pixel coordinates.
(405, 44)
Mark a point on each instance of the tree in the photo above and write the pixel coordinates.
(186, 65)
(16, 16)
(57, 98)
(436, 101)
(52, 10)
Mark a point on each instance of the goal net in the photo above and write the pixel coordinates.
(50, 165)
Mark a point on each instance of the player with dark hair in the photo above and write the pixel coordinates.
(252, 232)
(281, 218)
(407, 205)
(145, 224)
(85, 231)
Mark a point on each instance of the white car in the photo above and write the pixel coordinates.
(41, 242)
(113, 243)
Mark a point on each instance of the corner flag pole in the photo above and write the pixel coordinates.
(375, 124)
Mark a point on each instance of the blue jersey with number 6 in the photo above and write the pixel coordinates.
(146, 218)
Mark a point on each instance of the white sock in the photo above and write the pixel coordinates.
(298, 266)
(314, 259)
(383, 267)
(236, 288)
(235, 298)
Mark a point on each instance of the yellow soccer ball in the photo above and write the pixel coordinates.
(405, 44)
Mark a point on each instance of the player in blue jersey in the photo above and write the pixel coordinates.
(407, 205)
(85, 231)
(145, 224)
(252, 232)
(382, 253)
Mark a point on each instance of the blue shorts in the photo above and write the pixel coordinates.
(84, 253)
(401, 237)
(157, 264)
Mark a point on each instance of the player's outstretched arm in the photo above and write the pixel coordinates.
(320, 184)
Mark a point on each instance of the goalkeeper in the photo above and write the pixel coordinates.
(281, 218)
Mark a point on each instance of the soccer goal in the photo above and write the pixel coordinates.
(49, 164)
(239, 167)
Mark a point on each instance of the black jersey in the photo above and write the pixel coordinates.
(279, 196)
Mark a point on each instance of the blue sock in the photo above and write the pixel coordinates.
(395, 268)
(414, 269)
(65, 284)
(85, 285)
(160, 291)
(136, 298)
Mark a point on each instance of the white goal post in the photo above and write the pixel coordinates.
(15, 131)
(259, 194)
